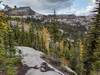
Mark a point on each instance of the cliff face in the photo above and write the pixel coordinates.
(21, 11)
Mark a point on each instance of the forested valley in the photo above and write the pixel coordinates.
(77, 47)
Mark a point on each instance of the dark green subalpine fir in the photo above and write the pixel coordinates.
(16, 31)
(31, 31)
(22, 35)
(92, 52)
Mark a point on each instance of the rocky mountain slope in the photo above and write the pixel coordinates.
(35, 64)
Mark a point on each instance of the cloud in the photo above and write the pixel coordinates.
(47, 6)
(87, 11)
(56, 0)
(1, 6)
(43, 6)
(77, 11)
(93, 1)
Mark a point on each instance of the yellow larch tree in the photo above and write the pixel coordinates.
(46, 39)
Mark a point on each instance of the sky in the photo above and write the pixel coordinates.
(77, 7)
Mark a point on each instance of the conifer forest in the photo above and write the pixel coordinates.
(32, 43)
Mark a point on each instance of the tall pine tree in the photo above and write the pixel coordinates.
(92, 53)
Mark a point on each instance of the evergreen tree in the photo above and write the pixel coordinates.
(22, 35)
(31, 32)
(7, 63)
(9, 41)
(92, 54)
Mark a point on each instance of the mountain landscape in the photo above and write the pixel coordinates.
(49, 37)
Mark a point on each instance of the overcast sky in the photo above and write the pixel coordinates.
(78, 7)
